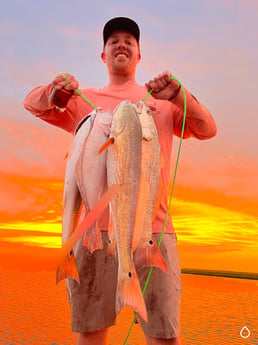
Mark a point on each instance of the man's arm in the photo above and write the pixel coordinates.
(49, 102)
(38, 101)
(199, 122)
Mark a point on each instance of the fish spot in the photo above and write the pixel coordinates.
(151, 242)
(130, 275)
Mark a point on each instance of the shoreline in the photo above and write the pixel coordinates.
(219, 273)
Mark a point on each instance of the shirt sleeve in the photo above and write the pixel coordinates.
(199, 122)
(37, 102)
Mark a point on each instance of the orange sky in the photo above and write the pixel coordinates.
(215, 231)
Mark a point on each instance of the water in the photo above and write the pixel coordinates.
(33, 310)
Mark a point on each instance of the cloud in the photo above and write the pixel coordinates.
(213, 226)
(212, 237)
(32, 172)
(218, 167)
(32, 150)
(30, 199)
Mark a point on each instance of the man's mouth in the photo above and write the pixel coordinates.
(121, 55)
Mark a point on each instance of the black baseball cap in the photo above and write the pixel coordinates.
(121, 23)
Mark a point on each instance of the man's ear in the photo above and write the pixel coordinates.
(103, 57)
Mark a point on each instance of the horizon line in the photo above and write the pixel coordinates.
(220, 273)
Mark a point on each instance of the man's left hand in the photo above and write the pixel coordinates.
(163, 87)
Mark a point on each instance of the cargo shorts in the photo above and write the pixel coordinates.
(93, 300)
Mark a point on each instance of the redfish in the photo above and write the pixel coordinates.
(124, 169)
(72, 200)
(91, 175)
(147, 252)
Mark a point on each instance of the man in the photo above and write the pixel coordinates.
(93, 301)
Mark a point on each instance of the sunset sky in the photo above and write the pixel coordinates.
(210, 45)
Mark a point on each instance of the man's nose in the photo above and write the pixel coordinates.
(121, 45)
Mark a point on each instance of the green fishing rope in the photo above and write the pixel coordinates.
(170, 198)
(85, 99)
(75, 90)
(147, 95)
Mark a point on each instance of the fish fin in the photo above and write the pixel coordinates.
(92, 239)
(109, 142)
(88, 220)
(67, 269)
(148, 254)
(129, 293)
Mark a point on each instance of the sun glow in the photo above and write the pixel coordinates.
(47, 226)
(41, 241)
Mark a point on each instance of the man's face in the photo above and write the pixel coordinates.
(121, 53)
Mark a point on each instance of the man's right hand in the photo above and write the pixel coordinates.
(65, 81)
(62, 89)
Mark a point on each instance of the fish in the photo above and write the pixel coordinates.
(124, 169)
(147, 252)
(91, 175)
(72, 200)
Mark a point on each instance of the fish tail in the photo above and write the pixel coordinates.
(67, 269)
(149, 254)
(92, 239)
(129, 293)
